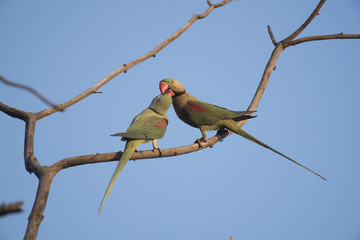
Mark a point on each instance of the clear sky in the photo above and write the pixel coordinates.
(309, 111)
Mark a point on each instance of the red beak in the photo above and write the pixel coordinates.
(163, 87)
(170, 92)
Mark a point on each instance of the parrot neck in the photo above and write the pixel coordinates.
(177, 94)
(155, 110)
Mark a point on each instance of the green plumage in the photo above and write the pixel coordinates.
(149, 125)
(206, 116)
(143, 126)
(209, 114)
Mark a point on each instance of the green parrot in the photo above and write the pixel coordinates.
(206, 116)
(149, 125)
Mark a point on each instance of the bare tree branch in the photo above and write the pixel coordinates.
(127, 66)
(31, 90)
(31, 163)
(146, 154)
(264, 79)
(13, 112)
(10, 208)
(325, 37)
(46, 175)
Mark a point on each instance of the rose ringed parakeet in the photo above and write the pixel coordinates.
(206, 116)
(149, 125)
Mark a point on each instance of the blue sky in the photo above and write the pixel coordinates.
(309, 111)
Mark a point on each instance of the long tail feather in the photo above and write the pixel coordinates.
(130, 147)
(235, 128)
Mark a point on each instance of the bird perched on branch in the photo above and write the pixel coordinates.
(206, 116)
(149, 125)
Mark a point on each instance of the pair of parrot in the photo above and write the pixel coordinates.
(151, 123)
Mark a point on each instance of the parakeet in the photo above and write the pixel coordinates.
(149, 125)
(206, 116)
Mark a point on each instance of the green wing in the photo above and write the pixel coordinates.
(147, 125)
(204, 113)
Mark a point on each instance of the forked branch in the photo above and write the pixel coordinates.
(306, 23)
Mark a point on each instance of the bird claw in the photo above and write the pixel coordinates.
(159, 149)
(201, 142)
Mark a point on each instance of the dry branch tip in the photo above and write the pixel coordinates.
(305, 24)
(11, 208)
(31, 90)
(272, 37)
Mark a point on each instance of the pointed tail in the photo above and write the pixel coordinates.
(130, 147)
(235, 128)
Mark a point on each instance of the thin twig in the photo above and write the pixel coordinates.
(31, 90)
(325, 37)
(306, 23)
(271, 35)
(220, 4)
(10, 208)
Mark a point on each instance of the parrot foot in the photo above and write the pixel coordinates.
(155, 146)
(201, 142)
(159, 149)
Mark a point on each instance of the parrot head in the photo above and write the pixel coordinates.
(172, 84)
(162, 102)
